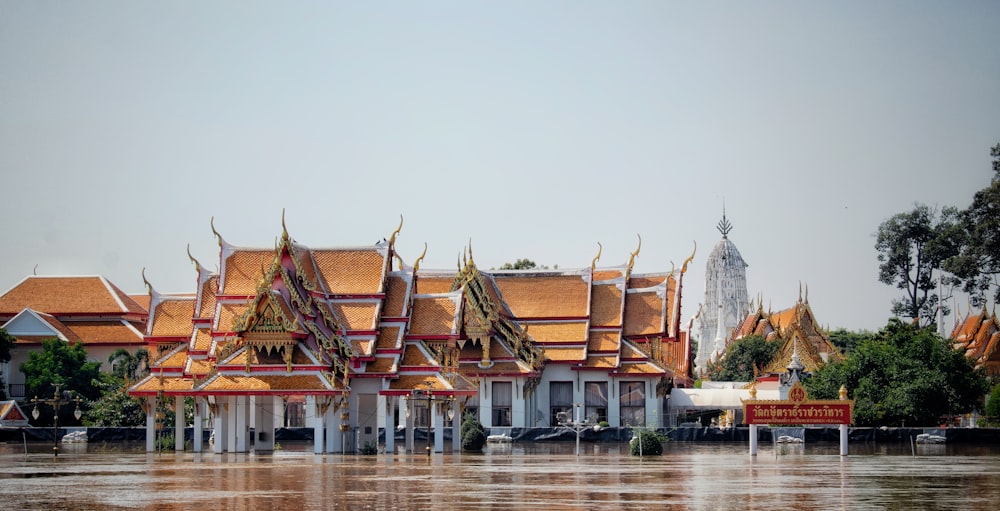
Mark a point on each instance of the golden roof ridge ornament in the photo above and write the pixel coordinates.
(197, 265)
(392, 237)
(218, 236)
(284, 230)
(593, 262)
(631, 259)
(149, 287)
(416, 264)
(684, 267)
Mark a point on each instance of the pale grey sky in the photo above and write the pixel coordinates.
(537, 129)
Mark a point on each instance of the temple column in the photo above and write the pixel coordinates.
(334, 436)
(390, 424)
(317, 423)
(456, 426)
(843, 439)
(242, 423)
(753, 440)
(231, 424)
(221, 430)
(263, 420)
(437, 419)
(410, 415)
(196, 440)
(150, 424)
(179, 425)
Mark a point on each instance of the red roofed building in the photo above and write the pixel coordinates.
(86, 309)
(978, 336)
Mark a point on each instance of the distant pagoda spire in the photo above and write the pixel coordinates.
(724, 226)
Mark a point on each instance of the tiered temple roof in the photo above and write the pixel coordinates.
(300, 320)
(978, 336)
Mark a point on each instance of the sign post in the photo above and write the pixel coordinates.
(798, 410)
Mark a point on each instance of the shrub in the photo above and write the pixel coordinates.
(651, 442)
(473, 434)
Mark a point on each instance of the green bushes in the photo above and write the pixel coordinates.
(473, 434)
(646, 442)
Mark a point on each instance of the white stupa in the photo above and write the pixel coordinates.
(726, 302)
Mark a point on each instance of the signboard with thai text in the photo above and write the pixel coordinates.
(798, 410)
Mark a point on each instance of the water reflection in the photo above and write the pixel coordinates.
(687, 477)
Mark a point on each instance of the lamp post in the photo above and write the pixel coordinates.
(421, 393)
(577, 424)
(58, 399)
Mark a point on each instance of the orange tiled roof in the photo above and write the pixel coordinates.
(203, 340)
(347, 272)
(604, 341)
(59, 326)
(571, 332)
(176, 360)
(530, 296)
(601, 275)
(606, 305)
(560, 354)
(208, 297)
(643, 314)
(601, 361)
(64, 296)
(106, 332)
(142, 300)
(644, 281)
(413, 356)
(641, 369)
(172, 318)
(433, 315)
(356, 315)
(266, 383)
(388, 338)
(154, 384)
(395, 297)
(473, 369)
(199, 367)
(362, 347)
(432, 285)
(413, 382)
(244, 269)
(228, 313)
(382, 365)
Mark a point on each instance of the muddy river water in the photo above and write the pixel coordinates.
(688, 476)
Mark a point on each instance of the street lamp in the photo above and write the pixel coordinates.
(58, 399)
(577, 424)
(419, 394)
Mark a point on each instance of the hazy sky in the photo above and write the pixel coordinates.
(535, 129)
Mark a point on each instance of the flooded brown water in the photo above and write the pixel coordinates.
(688, 476)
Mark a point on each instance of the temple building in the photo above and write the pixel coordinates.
(85, 309)
(368, 343)
(804, 344)
(725, 302)
(978, 336)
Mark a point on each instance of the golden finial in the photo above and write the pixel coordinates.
(416, 264)
(473, 261)
(392, 237)
(684, 267)
(631, 260)
(398, 259)
(197, 266)
(753, 388)
(149, 287)
(800, 291)
(216, 233)
(843, 393)
(34, 271)
(458, 262)
(593, 263)
(672, 267)
(807, 292)
(284, 230)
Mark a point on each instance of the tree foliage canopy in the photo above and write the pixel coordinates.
(911, 245)
(978, 263)
(64, 364)
(743, 358)
(904, 374)
(846, 340)
(115, 408)
(520, 264)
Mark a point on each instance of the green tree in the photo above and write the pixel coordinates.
(978, 263)
(845, 340)
(520, 264)
(993, 406)
(66, 365)
(911, 246)
(473, 434)
(744, 359)
(115, 408)
(6, 345)
(904, 374)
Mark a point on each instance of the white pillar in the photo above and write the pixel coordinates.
(221, 432)
(242, 423)
(179, 423)
(410, 412)
(317, 424)
(456, 426)
(390, 424)
(150, 424)
(231, 424)
(438, 422)
(843, 439)
(334, 437)
(196, 440)
(753, 440)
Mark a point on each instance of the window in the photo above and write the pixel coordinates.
(633, 403)
(596, 401)
(560, 400)
(502, 398)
